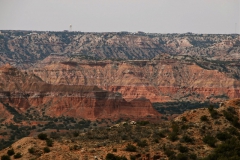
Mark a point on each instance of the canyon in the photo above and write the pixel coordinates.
(160, 67)
(23, 91)
(162, 79)
(98, 93)
(25, 48)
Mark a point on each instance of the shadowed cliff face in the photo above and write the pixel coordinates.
(23, 91)
(160, 80)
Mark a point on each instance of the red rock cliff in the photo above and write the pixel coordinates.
(23, 91)
(159, 80)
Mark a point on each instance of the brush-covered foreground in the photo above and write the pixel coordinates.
(206, 133)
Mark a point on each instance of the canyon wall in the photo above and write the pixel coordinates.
(158, 80)
(22, 91)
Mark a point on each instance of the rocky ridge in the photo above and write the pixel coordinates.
(24, 48)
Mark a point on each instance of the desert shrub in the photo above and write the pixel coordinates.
(49, 142)
(114, 149)
(229, 149)
(160, 134)
(187, 139)
(5, 157)
(75, 134)
(184, 119)
(173, 136)
(184, 127)
(169, 152)
(31, 150)
(183, 149)
(193, 156)
(10, 152)
(111, 156)
(232, 118)
(229, 116)
(175, 127)
(76, 147)
(210, 140)
(214, 114)
(204, 118)
(142, 143)
(46, 150)
(132, 157)
(143, 123)
(223, 136)
(42, 136)
(231, 110)
(182, 156)
(131, 148)
(124, 137)
(156, 140)
(17, 155)
(233, 131)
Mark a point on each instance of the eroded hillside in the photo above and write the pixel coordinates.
(162, 79)
(24, 48)
(22, 91)
(207, 133)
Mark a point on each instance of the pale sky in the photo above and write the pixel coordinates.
(153, 16)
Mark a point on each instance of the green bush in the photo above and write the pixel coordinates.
(49, 142)
(223, 136)
(46, 150)
(184, 127)
(214, 114)
(10, 152)
(111, 156)
(175, 127)
(42, 136)
(182, 149)
(187, 139)
(173, 136)
(160, 134)
(193, 156)
(229, 149)
(233, 131)
(210, 140)
(17, 155)
(143, 123)
(231, 110)
(131, 148)
(31, 150)
(5, 157)
(204, 118)
(142, 143)
(182, 156)
(232, 118)
(132, 157)
(75, 134)
(169, 152)
(184, 119)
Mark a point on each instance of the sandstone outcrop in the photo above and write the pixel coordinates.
(160, 80)
(23, 91)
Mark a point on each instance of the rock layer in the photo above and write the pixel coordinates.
(23, 48)
(89, 102)
(158, 80)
